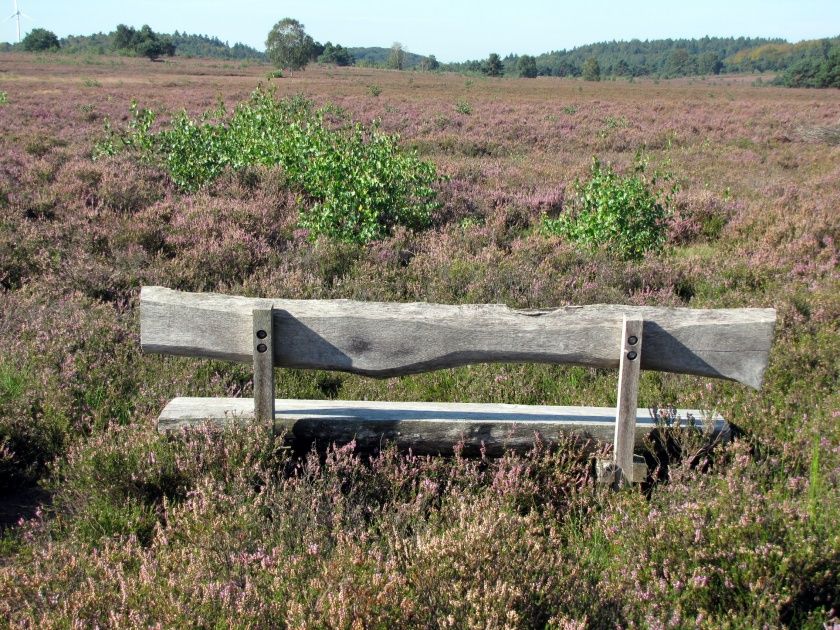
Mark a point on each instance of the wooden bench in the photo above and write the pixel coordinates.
(392, 339)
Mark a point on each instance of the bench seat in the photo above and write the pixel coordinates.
(425, 427)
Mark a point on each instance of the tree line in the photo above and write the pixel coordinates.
(819, 68)
(814, 63)
(667, 58)
(142, 42)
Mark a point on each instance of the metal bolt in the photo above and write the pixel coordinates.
(632, 340)
(632, 355)
(262, 347)
(262, 334)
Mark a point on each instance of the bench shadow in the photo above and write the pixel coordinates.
(429, 432)
(21, 503)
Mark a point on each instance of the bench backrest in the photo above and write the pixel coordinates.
(391, 339)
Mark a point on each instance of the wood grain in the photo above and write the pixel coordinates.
(390, 339)
(630, 352)
(426, 428)
(263, 341)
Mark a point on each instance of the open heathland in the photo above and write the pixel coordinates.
(108, 523)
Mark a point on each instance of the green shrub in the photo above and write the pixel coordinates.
(4, 98)
(136, 136)
(357, 182)
(626, 213)
(463, 107)
(40, 40)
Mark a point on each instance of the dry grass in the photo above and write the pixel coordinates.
(824, 135)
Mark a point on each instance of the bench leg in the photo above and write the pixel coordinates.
(264, 366)
(628, 394)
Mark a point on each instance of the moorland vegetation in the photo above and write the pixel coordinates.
(227, 528)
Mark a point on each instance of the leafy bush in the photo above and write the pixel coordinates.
(40, 40)
(527, 66)
(627, 213)
(358, 180)
(463, 107)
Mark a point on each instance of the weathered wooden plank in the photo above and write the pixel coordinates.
(389, 339)
(427, 428)
(628, 394)
(263, 342)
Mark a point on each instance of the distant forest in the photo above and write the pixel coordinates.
(377, 56)
(812, 63)
(186, 45)
(669, 58)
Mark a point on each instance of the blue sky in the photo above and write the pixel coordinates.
(450, 29)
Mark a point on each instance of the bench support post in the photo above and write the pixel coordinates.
(628, 394)
(264, 365)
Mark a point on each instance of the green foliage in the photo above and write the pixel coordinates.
(611, 123)
(680, 64)
(288, 45)
(31, 432)
(778, 55)
(136, 135)
(40, 40)
(142, 43)
(493, 66)
(336, 55)
(203, 46)
(633, 58)
(527, 67)
(377, 57)
(154, 49)
(817, 71)
(709, 63)
(463, 107)
(628, 214)
(4, 98)
(185, 45)
(429, 64)
(591, 70)
(358, 181)
(374, 89)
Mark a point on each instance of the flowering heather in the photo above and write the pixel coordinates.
(229, 528)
